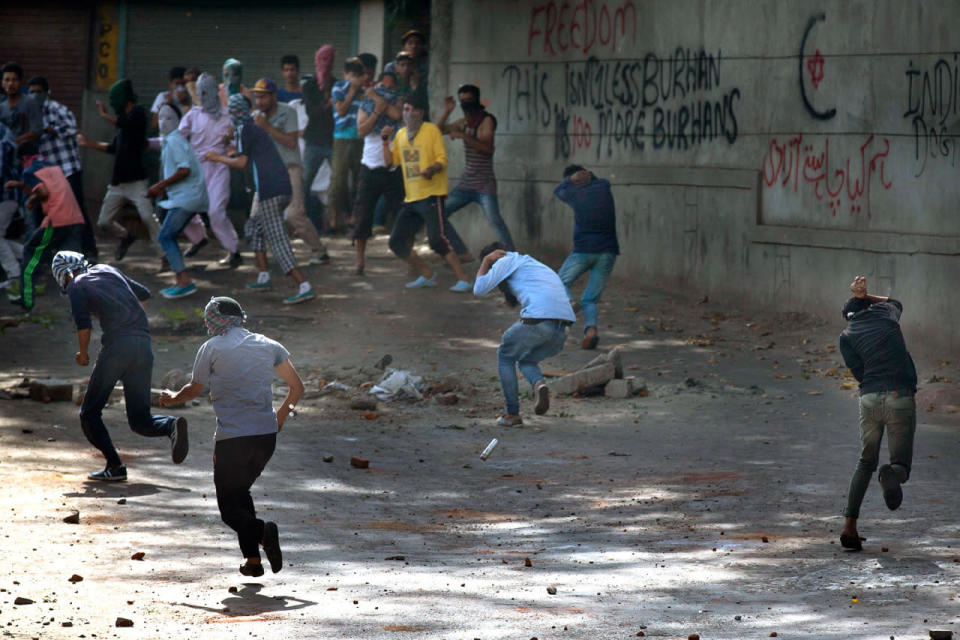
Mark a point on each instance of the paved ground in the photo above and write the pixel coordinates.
(710, 506)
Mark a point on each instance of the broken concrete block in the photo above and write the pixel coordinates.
(51, 390)
(124, 622)
(359, 463)
(611, 356)
(636, 385)
(583, 379)
(174, 380)
(617, 389)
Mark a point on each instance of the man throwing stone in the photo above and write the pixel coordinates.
(873, 348)
(125, 354)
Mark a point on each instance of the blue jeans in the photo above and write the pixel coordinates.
(458, 199)
(525, 345)
(600, 265)
(173, 224)
(129, 359)
(313, 157)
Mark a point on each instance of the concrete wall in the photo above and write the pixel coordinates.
(764, 152)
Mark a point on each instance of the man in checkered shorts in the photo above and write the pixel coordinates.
(265, 226)
(58, 145)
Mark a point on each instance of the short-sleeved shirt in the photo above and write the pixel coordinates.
(594, 215)
(372, 143)
(24, 117)
(105, 292)
(159, 101)
(60, 208)
(189, 194)
(269, 173)
(320, 114)
(345, 126)
(426, 149)
(128, 147)
(285, 119)
(288, 96)
(238, 366)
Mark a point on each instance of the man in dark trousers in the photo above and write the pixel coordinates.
(125, 354)
(872, 346)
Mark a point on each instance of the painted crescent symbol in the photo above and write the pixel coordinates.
(819, 115)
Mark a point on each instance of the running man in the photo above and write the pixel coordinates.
(239, 367)
(125, 355)
(873, 348)
(541, 331)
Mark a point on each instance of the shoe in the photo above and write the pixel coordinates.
(17, 300)
(179, 442)
(542, 394)
(462, 286)
(271, 546)
(510, 421)
(13, 287)
(123, 247)
(178, 292)
(854, 543)
(892, 491)
(300, 297)
(231, 260)
(164, 265)
(110, 474)
(421, 283)
(590, 343)
(252, 570)
(320, 259)
(379, 230)
(194, 249)
(259, 286)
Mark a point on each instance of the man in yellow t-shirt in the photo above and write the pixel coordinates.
(419, 152)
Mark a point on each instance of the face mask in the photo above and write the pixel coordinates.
(209, 96)
(167, 121)
(40, 97)
(413, 120)
(469, 106)
(181, 95)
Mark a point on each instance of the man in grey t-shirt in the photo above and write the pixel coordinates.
(239, 367)
(21, 114)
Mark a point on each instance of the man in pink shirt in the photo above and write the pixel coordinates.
(207, 127)
(46, 186)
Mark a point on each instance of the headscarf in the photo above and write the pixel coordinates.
(239, 108)
(67, 263)
(168, 118)
(231, 66)
(209, 96)
(222, 314)
(120, 94)
(323, 66)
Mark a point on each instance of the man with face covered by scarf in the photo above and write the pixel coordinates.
(239, 367)
(129, 180)
(233, 81)
(185, 196)
(207, 127)
(318, 136)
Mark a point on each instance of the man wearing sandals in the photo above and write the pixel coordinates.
(873, 348)
(541, 331)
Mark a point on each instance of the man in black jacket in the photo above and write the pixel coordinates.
(873, 348)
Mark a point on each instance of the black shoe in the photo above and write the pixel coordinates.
(854, 543)
(252, 570)
(231, 260)
(179, 444)
(271, 546)
(193, 249)
(110, 474)
(890, 483)
(123, 247)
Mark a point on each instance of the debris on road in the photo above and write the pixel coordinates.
(75, 578)
(552, 590)
(489, 449)
(22, 601)
(363, 404)
(398, 384)
(139, 555)
(124, 622)
(359, 463)
(51, 390)
(73, 518)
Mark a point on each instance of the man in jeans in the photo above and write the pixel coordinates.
(541, 330)
(873, 348)
(478, 183)
(125, 354)
(347, 144)
(595, 246)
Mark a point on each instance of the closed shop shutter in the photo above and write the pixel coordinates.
(50, 41)
(160, 37)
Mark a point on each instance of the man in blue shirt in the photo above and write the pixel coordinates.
(873, 348)
(125, 355)
(545, 314)
(595, 246)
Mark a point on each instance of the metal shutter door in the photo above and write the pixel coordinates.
(160, 37)
(52, 42)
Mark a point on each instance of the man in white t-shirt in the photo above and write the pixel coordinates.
(170, 95)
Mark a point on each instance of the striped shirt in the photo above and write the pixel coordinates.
(478, 174)
(60, 147)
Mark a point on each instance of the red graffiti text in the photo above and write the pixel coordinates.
(792, 163)
(580, 26)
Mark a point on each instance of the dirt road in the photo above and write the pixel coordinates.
(711, 506)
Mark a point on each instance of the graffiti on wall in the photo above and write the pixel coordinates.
(585, 26)
(933, 107)
(847, 182)
(812, 67)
